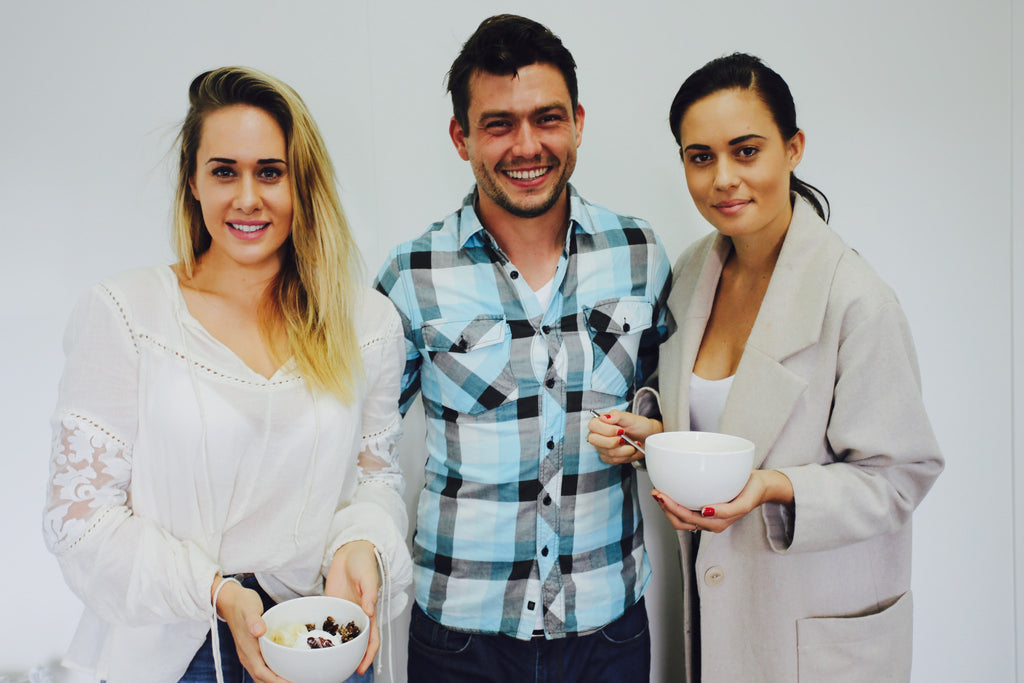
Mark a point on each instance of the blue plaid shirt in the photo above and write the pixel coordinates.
(518, 513)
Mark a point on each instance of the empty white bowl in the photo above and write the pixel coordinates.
(325, 665)
(697, 469)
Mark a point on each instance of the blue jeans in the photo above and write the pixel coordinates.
(203, 670)
(618, 653)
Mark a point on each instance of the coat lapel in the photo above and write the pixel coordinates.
(761, 399)
(689, 302)
(764, 392)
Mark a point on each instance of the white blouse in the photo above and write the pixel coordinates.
(173, 460)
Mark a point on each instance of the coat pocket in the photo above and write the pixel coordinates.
(472, 359)
(875, 647)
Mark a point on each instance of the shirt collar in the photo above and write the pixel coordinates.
(470, 225)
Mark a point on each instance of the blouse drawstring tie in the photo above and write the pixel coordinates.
(211, 533)
(385, 614)
(311, 474)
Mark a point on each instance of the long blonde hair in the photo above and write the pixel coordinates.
(313, 296)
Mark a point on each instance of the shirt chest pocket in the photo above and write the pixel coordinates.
(471, 358)
(615, 327)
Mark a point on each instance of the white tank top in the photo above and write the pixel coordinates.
(707, 401)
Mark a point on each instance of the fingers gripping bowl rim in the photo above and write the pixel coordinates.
(325, 665)
(697, 469)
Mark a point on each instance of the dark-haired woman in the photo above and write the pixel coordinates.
(784, 336)
(225, 430)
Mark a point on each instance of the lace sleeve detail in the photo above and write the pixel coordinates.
(94, 421)
(90, 470)
(382, 421)
(378, 457)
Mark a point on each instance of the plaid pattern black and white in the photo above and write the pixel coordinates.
(518, 513)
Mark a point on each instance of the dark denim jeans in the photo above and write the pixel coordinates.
(202, 669)
(618, 653)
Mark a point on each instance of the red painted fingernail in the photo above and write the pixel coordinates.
(620, 432)
(608, 417)
(658, 497)
(707, 512)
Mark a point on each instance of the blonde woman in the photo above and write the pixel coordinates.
(225, 431)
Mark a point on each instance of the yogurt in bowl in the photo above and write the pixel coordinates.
(315, 639)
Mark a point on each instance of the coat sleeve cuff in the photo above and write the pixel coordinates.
(779, 520)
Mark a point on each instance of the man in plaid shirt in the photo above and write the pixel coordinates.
(523, 310)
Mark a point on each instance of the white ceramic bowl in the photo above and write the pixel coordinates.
(325, 665)
(697, 469)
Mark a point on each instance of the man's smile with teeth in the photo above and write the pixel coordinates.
(527, 175)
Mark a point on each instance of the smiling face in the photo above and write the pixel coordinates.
(522, 139)
(241, 182)
(737, 165)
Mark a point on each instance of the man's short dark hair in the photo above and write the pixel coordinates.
(502, 45)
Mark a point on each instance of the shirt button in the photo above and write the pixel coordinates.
(545, 329)
(550, 383)
(530, 605)
(514, 275)
(625, 327)
(544, 551)
(547, 500)
(714, 576)
(551, 444)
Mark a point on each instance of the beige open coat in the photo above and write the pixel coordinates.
(828, 390)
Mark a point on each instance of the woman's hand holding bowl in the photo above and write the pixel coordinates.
(242, 609)
(354, 576)
(763, 486)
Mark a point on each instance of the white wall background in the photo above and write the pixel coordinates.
(911, 128)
